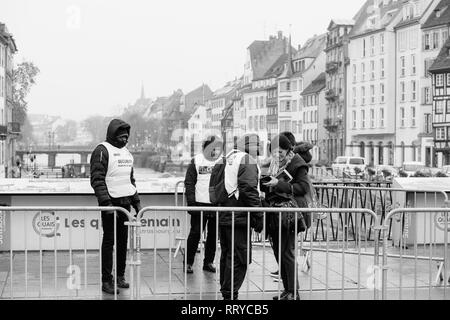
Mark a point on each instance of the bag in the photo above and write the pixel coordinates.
(288, 218)
(218, 194)
(313, 203)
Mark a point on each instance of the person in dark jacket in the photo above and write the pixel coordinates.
(196, 184)
(278, 190)
(242, 184)
(112, 179)
(303, 149)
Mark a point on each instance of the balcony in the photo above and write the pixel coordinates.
(332, 124)
(331, 95)
(332, 67)
(3, 133)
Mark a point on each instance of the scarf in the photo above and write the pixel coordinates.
(276, 167)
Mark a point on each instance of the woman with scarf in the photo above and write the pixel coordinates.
(285, 190)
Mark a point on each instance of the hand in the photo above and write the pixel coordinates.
(271, 183)
(259, 227)
(109, 212)
(138, 209)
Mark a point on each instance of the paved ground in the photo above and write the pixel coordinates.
(348, 277)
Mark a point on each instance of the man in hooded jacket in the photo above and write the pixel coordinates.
(112, 179)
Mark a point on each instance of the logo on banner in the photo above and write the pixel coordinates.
(439, 220)
(46, 224)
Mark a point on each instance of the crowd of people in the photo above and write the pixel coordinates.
(214, 179)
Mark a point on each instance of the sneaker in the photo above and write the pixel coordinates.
(209, 267)
(274, 274)
(189, 269)
(281, 296)
(108, 287)
(121, 283)
(290, 296)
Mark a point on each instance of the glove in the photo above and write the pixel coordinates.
(259, 226)
(109, 212)
(138, 209)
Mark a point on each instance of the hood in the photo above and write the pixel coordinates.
(113, 127)
(302, 149)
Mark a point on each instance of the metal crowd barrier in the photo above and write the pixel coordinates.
(380, 200)
(321, 272)
(430, 244)
(73, 270)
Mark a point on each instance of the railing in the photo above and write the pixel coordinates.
(47, 224)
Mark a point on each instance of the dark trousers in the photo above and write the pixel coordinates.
(240, 260)
(209, 219)
(108, 244)
(288, 266)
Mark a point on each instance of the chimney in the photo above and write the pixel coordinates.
(299, 47)
(280, 35)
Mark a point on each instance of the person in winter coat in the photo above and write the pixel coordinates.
(242, 184)
(112, 179)
(196, 183)
(303, 149)
(277, 191)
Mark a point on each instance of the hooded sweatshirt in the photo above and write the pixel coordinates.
(99, 169)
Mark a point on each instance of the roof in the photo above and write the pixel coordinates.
(312, 48)
(440, 16)
(276, 69)
(386, 14)
(442, 61)
(5, 35)
(316, 85)
(341, 22)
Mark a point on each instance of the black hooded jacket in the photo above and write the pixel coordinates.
(99, 168)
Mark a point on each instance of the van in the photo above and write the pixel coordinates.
(348, 165)
(410, 168)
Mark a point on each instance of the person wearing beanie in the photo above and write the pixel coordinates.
(302, 148)
(280, 190)
(112, 178)
(242, 185)
(196, 184)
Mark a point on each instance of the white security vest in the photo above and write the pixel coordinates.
(204, 169)
(117, 178)
(234, 160)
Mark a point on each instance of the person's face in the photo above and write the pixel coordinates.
(253, 150)
(123, 140)
(279, 154)
(216, 152)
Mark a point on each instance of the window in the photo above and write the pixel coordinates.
(294, 105)
(382, 93)
(440, 133)
(426, 41)
(256, 123)
(382, 117)
(444, 36)
(354, 73)
(439, 80)
(382, 43)
(427, 65)
(427, 95)
(403, 40)
(363, 119)
(354, 96)
(413, 39)
(428, 123)
(262, 122)
(413, 90)
(261, 102)
(354, 119)
(402, 92)
(382, 68)
(294, 85)
(285, 106)
(250, 123)
(363, 71)
(440, 107)
(413, 64)
(413, 116)
(402, 66)
(363, 95)
(372, 94)
(364, 48)
(448, 107)
(402, 117)
(435, 44)
(294, 127)
(448, 79)
(372, 69)
(372, 118)
(372, 45)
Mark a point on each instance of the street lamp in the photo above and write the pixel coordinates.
(340, 118)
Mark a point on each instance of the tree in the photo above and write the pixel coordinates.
(24, 77)
(66, 132)
(97, 127)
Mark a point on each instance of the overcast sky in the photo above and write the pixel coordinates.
(94, 54)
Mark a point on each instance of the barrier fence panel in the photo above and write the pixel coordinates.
(415, 263)
(324, 269)
(68, 245)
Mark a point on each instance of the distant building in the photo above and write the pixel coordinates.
(314, 113)
(9, 129)
(441, 105)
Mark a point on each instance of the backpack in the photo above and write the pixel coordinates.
(218, 194)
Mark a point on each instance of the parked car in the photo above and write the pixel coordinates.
(349, 166)
(410, 168)
(446, 170)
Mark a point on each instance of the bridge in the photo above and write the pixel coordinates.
(83, 151)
